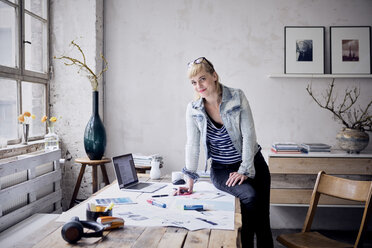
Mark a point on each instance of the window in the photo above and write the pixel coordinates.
(24, 65)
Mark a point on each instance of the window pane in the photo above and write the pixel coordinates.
(37, 7)
(33, 101)
(8, 109)
(35, 53)
(8, 36)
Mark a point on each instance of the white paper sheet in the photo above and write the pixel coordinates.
(144, 214)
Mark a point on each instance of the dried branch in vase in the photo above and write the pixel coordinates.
(350, 116)
(82, 64)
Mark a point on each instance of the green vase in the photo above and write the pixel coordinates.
(95, 134)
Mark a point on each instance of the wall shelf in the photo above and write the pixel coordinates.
(320, 76)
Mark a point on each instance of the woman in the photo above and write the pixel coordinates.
(222, 119)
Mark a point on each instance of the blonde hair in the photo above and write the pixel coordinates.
(195, 69)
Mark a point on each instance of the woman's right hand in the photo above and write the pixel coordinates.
(186, 190)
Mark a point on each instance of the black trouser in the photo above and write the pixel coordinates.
(254, 195)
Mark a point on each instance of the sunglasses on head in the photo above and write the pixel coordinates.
(200, 61)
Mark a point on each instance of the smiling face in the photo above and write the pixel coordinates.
(205, 83)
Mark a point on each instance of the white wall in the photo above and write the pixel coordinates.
(149, 43)
(71, 92)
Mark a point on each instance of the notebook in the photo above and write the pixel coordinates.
(126, 176)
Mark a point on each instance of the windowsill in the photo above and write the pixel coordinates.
(19, 149)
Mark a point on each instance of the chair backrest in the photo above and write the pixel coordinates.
(342, 188)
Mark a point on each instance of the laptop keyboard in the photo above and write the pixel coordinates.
(139, 186)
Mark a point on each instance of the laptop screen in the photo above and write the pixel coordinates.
(125, 171)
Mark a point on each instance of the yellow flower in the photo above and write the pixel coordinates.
(21, 118)
(33, 117)
(24, 118)
(50, 122)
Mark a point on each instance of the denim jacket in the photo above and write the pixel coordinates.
(237, 118)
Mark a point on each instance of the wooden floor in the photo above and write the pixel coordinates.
(344, 236)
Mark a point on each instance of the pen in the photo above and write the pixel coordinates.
(208, 221)
(158, 204)
(159, 195)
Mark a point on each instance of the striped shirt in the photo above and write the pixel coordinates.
(220, 146)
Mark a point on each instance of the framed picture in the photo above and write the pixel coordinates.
(304, 50)
(350, 50)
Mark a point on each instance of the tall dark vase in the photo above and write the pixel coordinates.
(95, 134)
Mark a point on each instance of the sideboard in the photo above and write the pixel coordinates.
(293, 175)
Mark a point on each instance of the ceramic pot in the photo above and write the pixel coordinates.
(352, 140)
(155, 169)
(95, 134)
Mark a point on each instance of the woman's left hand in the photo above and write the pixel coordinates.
(235, 178)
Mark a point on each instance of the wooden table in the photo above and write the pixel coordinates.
(145, 237)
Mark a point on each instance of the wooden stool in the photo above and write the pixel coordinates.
(94, 164)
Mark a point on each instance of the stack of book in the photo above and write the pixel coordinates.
(145, 160)
(287, 147)
(316, 147)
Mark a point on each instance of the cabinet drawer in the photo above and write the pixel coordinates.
(312, 165)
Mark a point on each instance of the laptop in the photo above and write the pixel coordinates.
(127, 176)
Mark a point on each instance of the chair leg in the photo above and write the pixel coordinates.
(77, 185)
(95, 178)
(104, 174)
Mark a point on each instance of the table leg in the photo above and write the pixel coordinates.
(77, 185)
(104, 174)
(95, 178)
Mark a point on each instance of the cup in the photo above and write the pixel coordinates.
(92, 215)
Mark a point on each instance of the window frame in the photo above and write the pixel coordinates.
(19, 73)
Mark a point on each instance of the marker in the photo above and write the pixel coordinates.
(159, 195)
(208, 221)
(158, 204)
(109, 207)
(196, 207)
(100, 208)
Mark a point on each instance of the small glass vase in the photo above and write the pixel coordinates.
(25, 132)
(51, 140)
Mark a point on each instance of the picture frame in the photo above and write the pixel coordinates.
(350, 49)
(304, 48)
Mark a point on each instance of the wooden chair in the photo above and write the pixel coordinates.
(337, 187)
